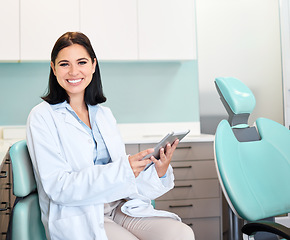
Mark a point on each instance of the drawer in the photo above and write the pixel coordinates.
(189, 151)
(4, 176)
(185, 170)
(4, 192)
(193, 189)
(4, 221)
(132, 148)
(205, 228)
(5, 165)
(5, 186)
(195, 208)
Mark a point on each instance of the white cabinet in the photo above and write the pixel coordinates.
(42, 22)
(166, 30)
(111, 26)
(118, 30)
(9, 28)
(140, 29)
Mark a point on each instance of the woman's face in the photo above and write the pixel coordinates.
(74, 69)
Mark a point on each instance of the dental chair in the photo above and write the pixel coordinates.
(25, 223)
(253, 163)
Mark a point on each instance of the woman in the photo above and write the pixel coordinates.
(88, 187)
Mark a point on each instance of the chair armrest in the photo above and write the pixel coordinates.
(263, 226)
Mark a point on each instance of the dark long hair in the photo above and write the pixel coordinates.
(94, 91)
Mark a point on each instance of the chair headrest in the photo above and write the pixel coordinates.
(237, 95)
(23, 177)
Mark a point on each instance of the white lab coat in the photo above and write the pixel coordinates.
(72, 190)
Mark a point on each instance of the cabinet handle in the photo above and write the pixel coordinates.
(180, 206)
(5, 206)
(8, 186)
(181, 167)
(3, 174)
(183, 186)
(186, 147)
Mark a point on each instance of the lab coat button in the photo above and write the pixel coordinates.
(101, 225)
(90, 141)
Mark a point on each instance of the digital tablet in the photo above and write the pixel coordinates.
(169, 138)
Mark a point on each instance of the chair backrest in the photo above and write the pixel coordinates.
(26, 218)
(23, 178)
(254, 174)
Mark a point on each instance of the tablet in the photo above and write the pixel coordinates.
(169, 138)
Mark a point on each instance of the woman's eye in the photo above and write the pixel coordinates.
(63, 64)
(82, 62)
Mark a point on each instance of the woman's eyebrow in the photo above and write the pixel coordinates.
(62, 61)
(80, 59)
(66, 61)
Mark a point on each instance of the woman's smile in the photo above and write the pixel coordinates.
(75, 82)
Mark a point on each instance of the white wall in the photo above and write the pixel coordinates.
(240, 38)
(285, 45)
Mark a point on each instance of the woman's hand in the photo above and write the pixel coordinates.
(136, 162)
(162, 164)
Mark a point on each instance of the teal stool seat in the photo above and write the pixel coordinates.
(26, 218)
(252, 162)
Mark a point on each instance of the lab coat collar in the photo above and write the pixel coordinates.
(57, 106)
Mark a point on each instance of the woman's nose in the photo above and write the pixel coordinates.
(73, 71)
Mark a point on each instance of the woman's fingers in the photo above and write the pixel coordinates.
(162, 164)
(137, 162)
(141, 155)
(171, 148)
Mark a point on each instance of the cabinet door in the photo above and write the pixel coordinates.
(166, 30)
(42, 23)
(4, 198)
(132, 148)
(9, 28)
(205, 228)
(111, 26)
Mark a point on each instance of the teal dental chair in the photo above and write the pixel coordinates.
(252, 162)
(26, 218)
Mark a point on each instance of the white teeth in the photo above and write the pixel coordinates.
(74, 81)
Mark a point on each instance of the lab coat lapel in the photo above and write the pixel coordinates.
(70, 119)
(108, 135)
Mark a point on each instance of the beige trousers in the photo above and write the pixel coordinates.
(121, 226)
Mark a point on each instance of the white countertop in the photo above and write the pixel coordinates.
(156, 138)
(131, 133)
(5, 144)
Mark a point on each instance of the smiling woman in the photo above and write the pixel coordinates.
(72, 61)
(74, 74)
(88, 187)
